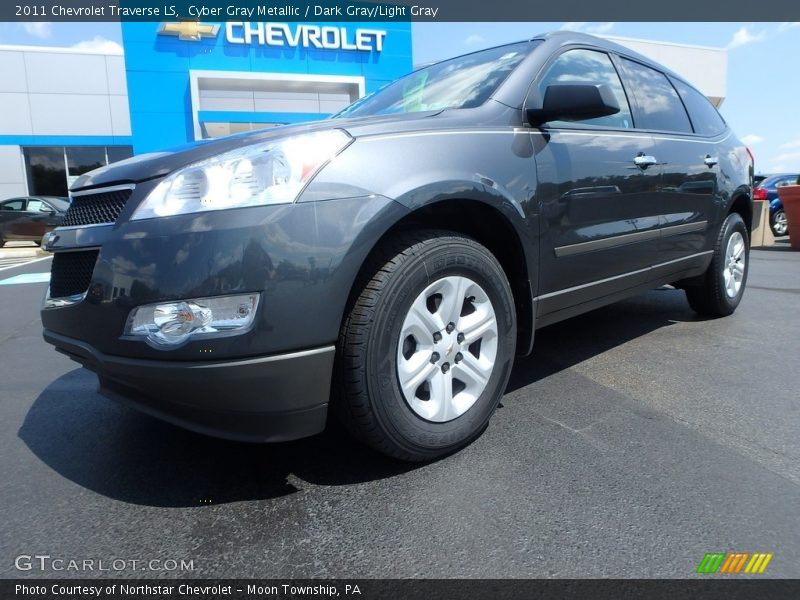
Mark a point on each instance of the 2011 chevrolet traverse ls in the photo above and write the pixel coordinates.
(389, 262)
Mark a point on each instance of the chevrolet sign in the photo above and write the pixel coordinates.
(189, 30)
(305, 36)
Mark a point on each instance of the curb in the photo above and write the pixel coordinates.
(19, 252)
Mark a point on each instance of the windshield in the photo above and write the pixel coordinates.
(462, 82)
(58, 203)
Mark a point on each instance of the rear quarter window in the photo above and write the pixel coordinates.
(705, 118)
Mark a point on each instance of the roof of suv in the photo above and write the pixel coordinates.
(566, 38)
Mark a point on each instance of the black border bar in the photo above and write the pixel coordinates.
(400, 10)
(730, 588)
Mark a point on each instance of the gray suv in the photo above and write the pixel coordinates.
(387, 264)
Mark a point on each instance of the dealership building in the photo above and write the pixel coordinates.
(65, 111)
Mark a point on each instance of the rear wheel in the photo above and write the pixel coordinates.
(427, 348)
(723, 284)
(778, 222)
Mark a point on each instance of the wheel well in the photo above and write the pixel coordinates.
(490, 228)
(744, 207)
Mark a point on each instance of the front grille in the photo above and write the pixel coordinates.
(71, 272)
(92, 209)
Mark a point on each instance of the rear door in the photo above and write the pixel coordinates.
(688, 162)
(12, 216)
(41, 218)
(596, 190)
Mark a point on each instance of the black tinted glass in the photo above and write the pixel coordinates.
(588, 66)
(17, 204)
(46, 171)
(463, 82)
(705, 118)
(658, 105)
(116, 153)
(82, 159)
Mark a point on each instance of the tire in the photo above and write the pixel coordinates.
(778, 223)
(376, 394)
(725, 280)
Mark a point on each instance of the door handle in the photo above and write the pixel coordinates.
(643, 161)
(710, 161)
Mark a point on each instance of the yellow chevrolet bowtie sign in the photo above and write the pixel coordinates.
(189, 30)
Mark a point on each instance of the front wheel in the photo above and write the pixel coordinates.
(778, 222)
(427, 348)
(723, 284)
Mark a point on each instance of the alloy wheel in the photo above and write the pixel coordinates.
(781, 224)
(447, 348)
(734, 265)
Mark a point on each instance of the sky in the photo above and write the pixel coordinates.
(763, 87)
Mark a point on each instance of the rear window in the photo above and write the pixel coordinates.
(657, 105)
(705, 118)
(59, 203)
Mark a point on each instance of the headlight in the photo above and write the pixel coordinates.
(168, 325)
(272, 172)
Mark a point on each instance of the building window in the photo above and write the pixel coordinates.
(46, 170)
(215, 130)
(82, 159)
(52, 169)
(117, 153)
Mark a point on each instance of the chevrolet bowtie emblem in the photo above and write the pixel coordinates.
(189, 30)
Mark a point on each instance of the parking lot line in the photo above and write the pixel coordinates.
(22, 264)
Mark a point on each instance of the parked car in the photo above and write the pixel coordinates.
(768, 190)
(387, 264)
(29, 218)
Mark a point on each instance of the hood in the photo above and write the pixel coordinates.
(157, 164)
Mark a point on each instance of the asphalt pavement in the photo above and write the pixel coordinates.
(633, 441)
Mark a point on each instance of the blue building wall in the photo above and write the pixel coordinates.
(158, 72)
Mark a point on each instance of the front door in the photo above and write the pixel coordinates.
(597, 193)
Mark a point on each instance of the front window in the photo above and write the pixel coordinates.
(463, 82)
(589, 66)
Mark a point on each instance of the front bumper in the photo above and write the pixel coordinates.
(267, 399)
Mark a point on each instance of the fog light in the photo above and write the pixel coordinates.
(168, 325)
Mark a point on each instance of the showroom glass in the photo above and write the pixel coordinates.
(589, 66)
(118, 153)
(82, 159)
(48, 167)
(47, 171)
(705, 118)
(657, 104)
(463, 82)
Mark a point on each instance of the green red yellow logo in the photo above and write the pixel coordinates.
(734, 562)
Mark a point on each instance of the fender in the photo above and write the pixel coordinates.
(449, 167)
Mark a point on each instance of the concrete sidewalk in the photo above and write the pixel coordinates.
(21, 250)
(19, 253)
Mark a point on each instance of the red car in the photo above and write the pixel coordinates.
(28, 218)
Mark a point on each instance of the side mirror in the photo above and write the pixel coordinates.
(573, 102)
